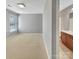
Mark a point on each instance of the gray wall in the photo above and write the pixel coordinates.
(47, 27)
(8, 15)
(71, 25)
(30, 23)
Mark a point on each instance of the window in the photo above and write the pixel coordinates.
(13, 23)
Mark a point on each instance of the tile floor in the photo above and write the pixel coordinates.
(64, 52)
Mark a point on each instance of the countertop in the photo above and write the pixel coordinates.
(68, 32)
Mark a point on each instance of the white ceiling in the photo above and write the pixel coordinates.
(65, 3)
(32, 6)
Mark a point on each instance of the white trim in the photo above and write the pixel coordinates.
(57, 29)
(46, 49)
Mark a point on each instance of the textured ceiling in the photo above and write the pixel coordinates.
(65, 3)
(32, 6)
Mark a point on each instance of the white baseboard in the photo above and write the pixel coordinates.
(46, 49)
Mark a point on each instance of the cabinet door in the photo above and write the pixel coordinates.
(63, 37)
(67, 40)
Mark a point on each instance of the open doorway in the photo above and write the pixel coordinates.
(66, 29)
(29, 29)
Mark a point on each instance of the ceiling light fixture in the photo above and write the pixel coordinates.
(21, 5)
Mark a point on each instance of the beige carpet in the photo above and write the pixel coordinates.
(25, 46)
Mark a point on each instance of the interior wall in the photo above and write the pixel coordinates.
(47, 27)
(71, 24)
(30, 23)
(8, 15)
(51, 28)
(65, 20)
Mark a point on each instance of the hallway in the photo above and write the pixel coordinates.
(25, 46)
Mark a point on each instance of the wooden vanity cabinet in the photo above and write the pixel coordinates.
(67, 40)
